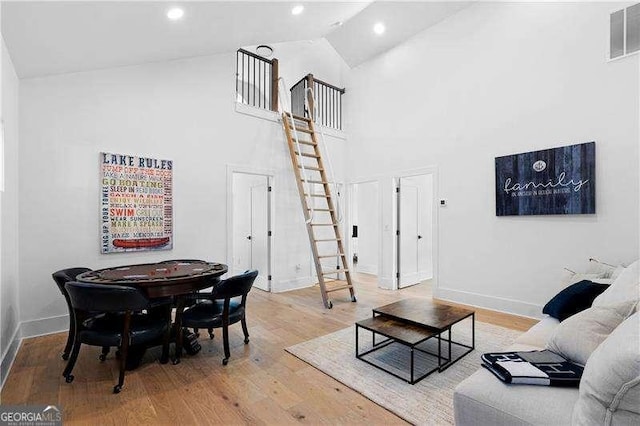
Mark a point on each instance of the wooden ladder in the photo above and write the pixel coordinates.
(305, 161)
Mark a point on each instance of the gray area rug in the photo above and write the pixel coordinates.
(430, 401)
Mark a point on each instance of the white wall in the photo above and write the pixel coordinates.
(497, 79)
(181, 110)
(9, 307)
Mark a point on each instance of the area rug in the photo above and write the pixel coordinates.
(430, 401)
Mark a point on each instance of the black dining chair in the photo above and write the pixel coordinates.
(131, 328)
(61, 278)
(226, 305)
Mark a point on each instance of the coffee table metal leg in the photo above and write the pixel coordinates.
(439, 352)
(357, 340)
(449, 360)
(412, 353)
(473, 330)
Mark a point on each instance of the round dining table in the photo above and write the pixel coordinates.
(175, 278)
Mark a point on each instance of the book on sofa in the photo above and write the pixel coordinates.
(533, 368)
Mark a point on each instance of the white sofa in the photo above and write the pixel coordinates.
(482, 399)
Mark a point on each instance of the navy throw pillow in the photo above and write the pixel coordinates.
(573, 299)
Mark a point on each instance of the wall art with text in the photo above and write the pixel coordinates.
(547, 182)
(136, 203)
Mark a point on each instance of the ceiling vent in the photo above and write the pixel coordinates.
(624, 32)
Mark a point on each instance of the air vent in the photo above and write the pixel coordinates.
(624, 32)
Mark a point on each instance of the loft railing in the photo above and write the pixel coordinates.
(256, 80)
(326, 109)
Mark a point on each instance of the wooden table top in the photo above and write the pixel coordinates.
(397, 330)
(423, 312)
(168, 278)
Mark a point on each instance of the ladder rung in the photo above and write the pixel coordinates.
(307, 143)
(317, 196)
(331, 255)
(342, 287)
(318, 169)
(314, 181)
(321, 210)
(297, 117)
(324, 224)
(327, 239)
(306, 154)
(337, 271)
(299, 129)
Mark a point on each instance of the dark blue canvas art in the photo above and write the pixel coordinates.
(552, 181)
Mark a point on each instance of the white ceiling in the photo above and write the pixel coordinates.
(56, 37)
(60, 37)
(356, 42)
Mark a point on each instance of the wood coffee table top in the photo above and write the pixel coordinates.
(424, 313)
(397, 330)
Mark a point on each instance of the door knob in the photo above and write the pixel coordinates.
(419, 237)
(248, 237)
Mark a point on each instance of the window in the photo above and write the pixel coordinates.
(624, 32)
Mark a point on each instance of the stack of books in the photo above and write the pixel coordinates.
(533, 368)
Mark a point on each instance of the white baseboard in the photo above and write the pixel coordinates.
(500, 304)
(9, 355)
(294, 284)
(43, 326)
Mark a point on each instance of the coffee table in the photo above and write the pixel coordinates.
(414, 323)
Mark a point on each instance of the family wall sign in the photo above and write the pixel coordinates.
(547, 182)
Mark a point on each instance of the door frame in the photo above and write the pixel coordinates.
(270, 175)
(433, 171)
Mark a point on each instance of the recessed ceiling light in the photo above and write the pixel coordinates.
(379, 28)
(297, 10)
(175, 13)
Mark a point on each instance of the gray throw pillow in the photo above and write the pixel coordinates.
(610, 385)
(579, 335)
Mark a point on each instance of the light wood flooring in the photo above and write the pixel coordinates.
(262, 384)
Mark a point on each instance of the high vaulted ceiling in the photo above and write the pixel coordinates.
(356, 42)
(56, 37)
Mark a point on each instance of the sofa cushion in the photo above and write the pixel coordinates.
(578, 336)
(482, 399)
(607, 271)
(573, 299)
(538, 335)
(625, 287)
(610, 387)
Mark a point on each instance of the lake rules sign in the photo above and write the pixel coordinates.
(552, 181)
(136, 203)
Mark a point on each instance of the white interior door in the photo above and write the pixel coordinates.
(415, 239)
(259, 233)
(251, 225)
(408, 237)
(425, 227)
